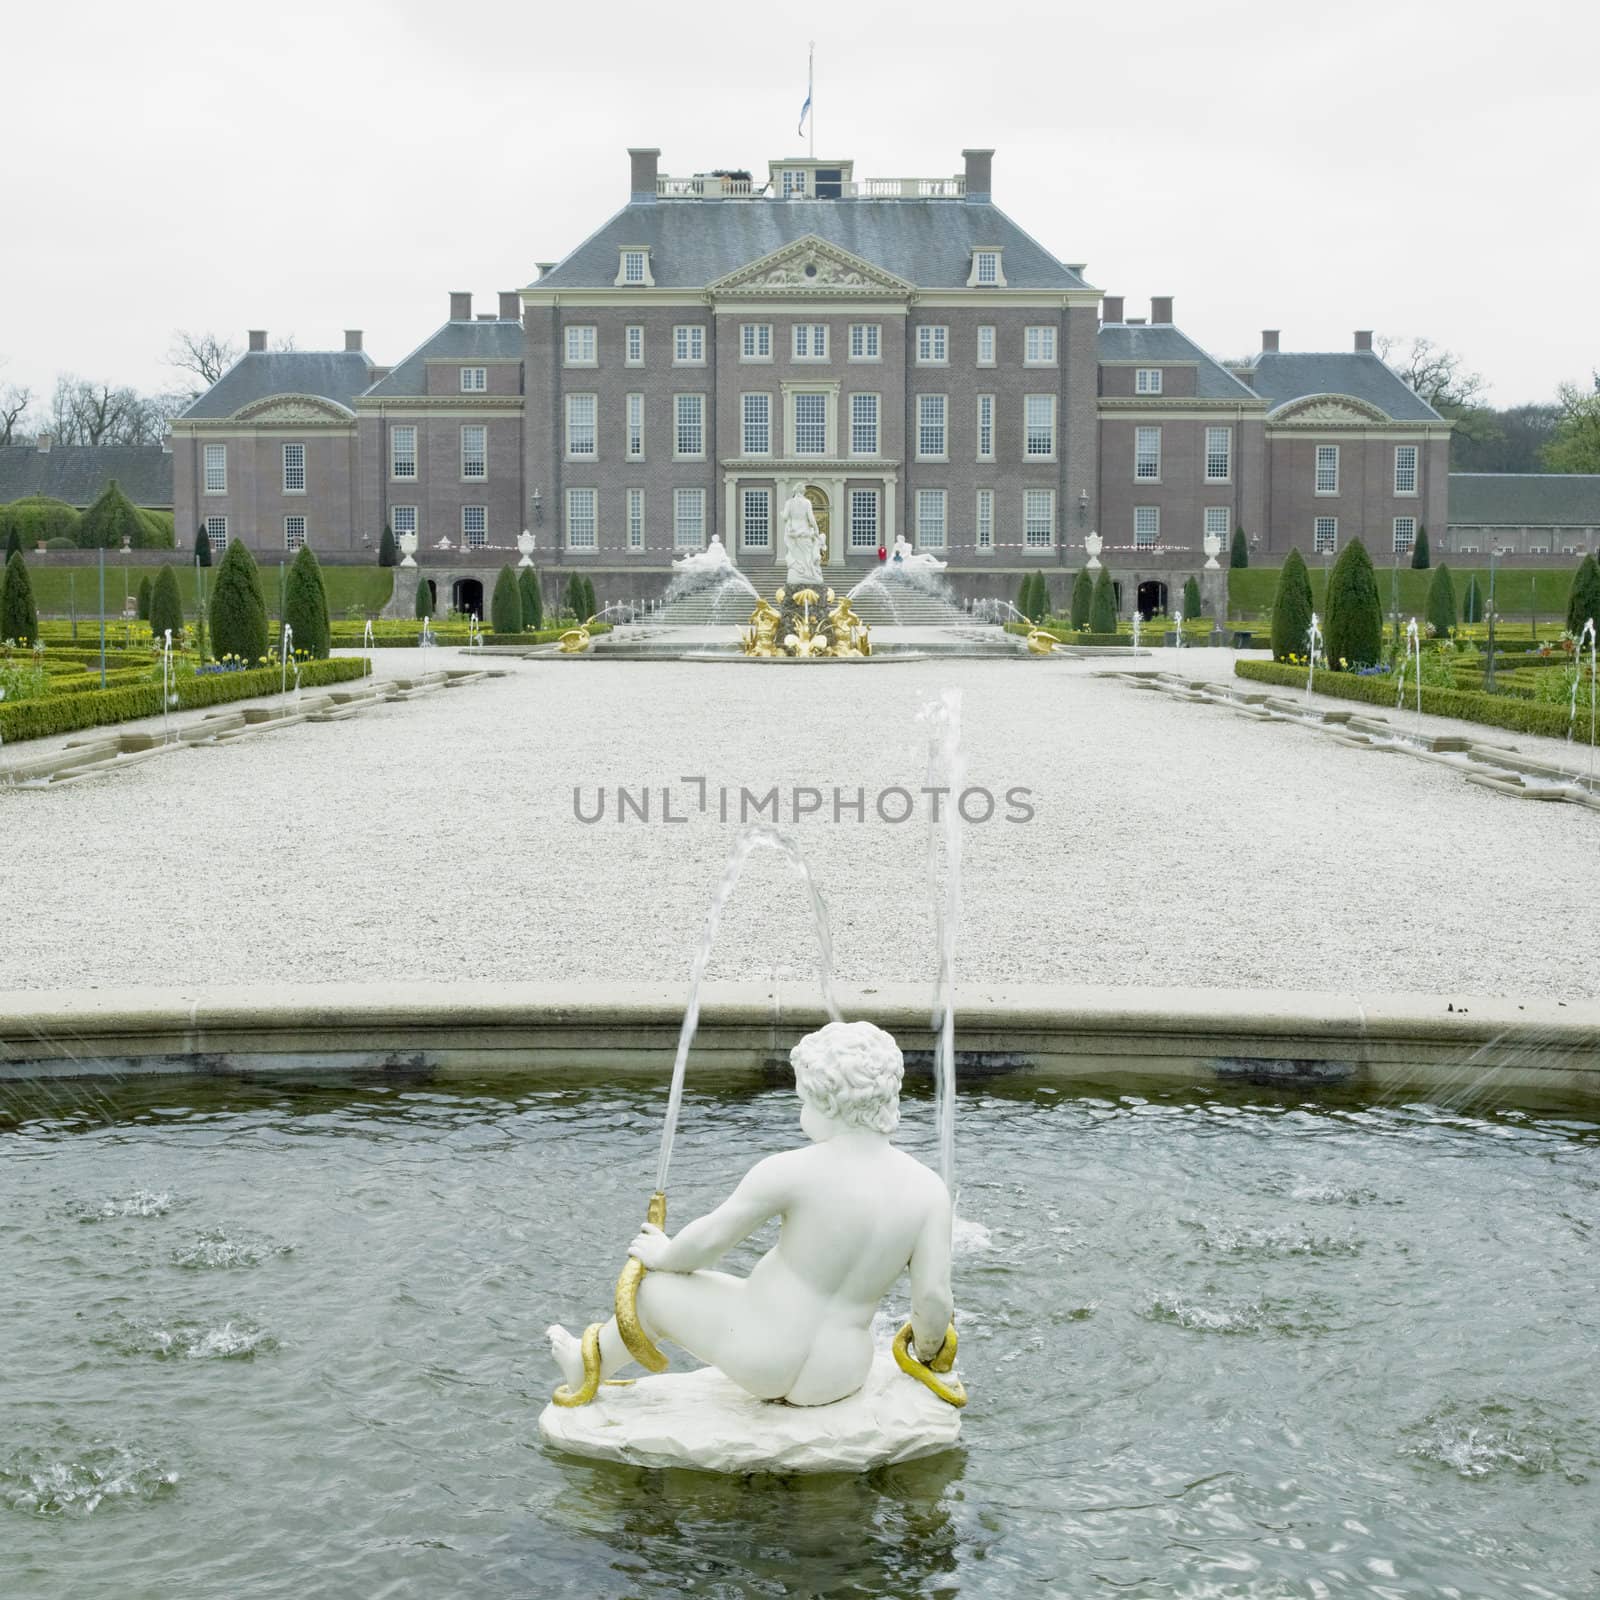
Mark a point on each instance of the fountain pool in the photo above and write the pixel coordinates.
(280, 1338)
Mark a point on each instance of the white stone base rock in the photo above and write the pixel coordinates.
(703, 1419)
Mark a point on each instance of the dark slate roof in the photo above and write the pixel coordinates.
(77, 473)
(455, 341)
(926, 242)
(1526, 499)
(333, 374)
(1157, 342)
(1282, 376)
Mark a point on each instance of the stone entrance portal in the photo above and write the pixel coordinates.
(1152, 597)
(466, 596)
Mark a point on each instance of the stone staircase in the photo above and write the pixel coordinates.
(895, 602)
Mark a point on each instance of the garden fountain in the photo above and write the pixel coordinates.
(1313, 646)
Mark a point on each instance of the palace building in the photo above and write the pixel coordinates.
(900, 347)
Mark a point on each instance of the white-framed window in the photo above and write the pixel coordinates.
(581, 345)
(475, 526)
(294, 469)
(758, 518)
(755, 341)
(583, 519)
(689, 344)
(635, 508)
(933, 344)
(1039, 346)
(793, 181)
(403, 451)
(1147, 380)
(756, 424)
(932, 413)
(581, 411)
(635, 266)
(1147, 454)
(1219, 455)
(863, 519)
(474, 380)
(689, 425)
(986, 427)
(810, 341)
(1146, 527)
(216, 468)
(985, 268)
(688, 519)
(1405, 534)
(985, 345)
(633, 345)
(984, 522)
(1324, 535)
(865, 340)
(634, 411)
(1038, 518)
(1327, 477)
(1216, 522)
(811, 424)
(931, 519)
(294, 533)
(474, 451)
(403, 519)
(863, 425)
(1405, 469)
(217, 534)
(1039, 419)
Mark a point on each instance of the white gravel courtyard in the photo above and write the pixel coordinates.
(1170, 843)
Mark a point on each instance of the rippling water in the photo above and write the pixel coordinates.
(270, 1341)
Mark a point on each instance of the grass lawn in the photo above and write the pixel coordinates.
(53, 588)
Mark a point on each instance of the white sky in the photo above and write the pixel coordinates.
(1411, 166)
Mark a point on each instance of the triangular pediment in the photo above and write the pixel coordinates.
(810, 266)
(1331, 408)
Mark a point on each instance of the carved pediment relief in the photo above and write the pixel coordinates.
(294, 408)
(1339, 408)
(810, 266)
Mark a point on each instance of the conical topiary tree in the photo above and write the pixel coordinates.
(388, 550)
(1354, 628)
(166, 606)
(1584, 600)
(1419, 551)
(238, 607)
(305, 605)
(590, 604)
(1082, 598)
(110, 520)
(1291, 608)
(505, 604)
(424, 606)
(1191, 600)
(1024, 600)
(202, 546)
(574, 601)
(142, 604)
(13, 544)
(1472, 601)
(1239, 554)
(1441, 607)
(532, 600)
(1103, 607)
(19, 621)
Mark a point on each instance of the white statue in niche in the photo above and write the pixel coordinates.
(856, 1214)
(802, 541)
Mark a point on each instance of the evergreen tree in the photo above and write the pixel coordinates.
(202, 546)
(19, 621)
(1441, 607)
(238, 606)
(575, 597)
(1291, 608)
(166, 605)
(388, 551)
(1191, 600)
(142, 607)
(1024, 600)
(1419, 551)
(424, 606)
(13, 544)
(1584, 600)
(1082, 598)
(1472, 601)
(110, 520)
(1103, 607)
(532, 600)
(505, 605)
(1239, 555)
(1042, 594)
(305, 605)
(1353, 633)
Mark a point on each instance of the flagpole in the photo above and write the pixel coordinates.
(811, 75)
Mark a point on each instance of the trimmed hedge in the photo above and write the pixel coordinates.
(38, 516)
(1468, 705)
(347, 636)
(67, 713)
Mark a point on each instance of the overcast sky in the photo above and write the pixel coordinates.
(1411, 166)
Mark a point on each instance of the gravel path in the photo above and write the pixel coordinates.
(1170, 844)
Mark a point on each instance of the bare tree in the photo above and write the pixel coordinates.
(15, 399)
(1436, 375)
(87, 413)
(205, 356)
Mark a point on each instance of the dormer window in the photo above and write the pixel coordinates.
(793, 180)
(986, 271)
(1147, 380)
(633, 270)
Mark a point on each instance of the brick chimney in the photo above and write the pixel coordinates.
(1269, 341)
(510, 306)
(980, 173)
(1161, 308)
(258, 338)
(643, 168)
(1111, 308)
(1363, 338)
(43, 442)
(461, 305)
(352, 339)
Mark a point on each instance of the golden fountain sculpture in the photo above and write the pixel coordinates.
(838, 632)
(576, 640)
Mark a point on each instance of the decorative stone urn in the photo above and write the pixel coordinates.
(408, 549)
(1213, 548)
(1092, 543)
(525, 545)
